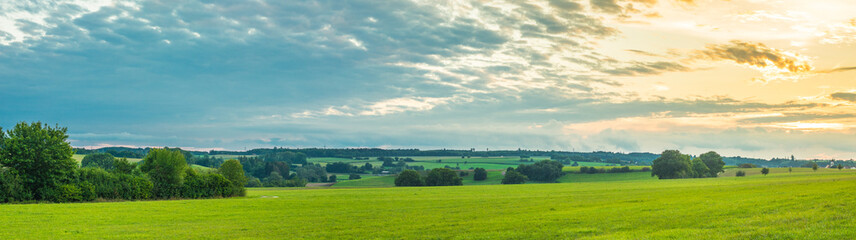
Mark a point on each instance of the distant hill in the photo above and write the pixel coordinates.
(634, 158)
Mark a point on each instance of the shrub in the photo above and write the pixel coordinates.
(87, 191)
(646, 169)
(332, 178)
(68, 193)
(354, 176)
(166, 168)
(253, 182)
(740, 173)
(479, 174)
(464, 173)
(765, 171)
(234, 172)
(99, 160)
(409, 178)
(11, 187)
(443, 177)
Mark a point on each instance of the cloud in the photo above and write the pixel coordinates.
(845, 96)
(647, 68)
(775, 64)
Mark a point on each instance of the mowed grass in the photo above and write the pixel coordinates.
(804, 205)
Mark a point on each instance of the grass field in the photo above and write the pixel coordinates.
(798, 205)
(79, 158)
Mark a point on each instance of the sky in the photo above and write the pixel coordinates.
(755, 78)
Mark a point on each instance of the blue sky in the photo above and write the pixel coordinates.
(751, 78)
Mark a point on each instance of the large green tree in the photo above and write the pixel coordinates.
(409, 178)
(40, 156)
(234, 172)
(714, 163)
(700, 170)
(166, 168)
(443, 177)
(479, 174)
(99, 160)
(513, 177)
(542, 171)
(671, 164)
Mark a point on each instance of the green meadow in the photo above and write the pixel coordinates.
(802, 204)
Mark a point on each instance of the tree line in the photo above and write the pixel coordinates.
(673, 164)
(36, 164)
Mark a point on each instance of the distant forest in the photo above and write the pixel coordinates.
(636, 158)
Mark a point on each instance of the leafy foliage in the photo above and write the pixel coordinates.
(714, 163)
(234, 172)
(409, 178)
(443, 177)
(39, 156)
(99, 160)
(513, 177)
(542, 171)
(479, 174)
(671, 164)
(166, 168)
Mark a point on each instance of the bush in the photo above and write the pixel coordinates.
(166, 168)
(112, 185)
(443, 177)
(11, 187)
(513, 177)
(479, 174)
(234, 172)
(354, 176)
(68, 193)
(463, 173)
(645, 169)
(87, 191)
(740, 174)
(253, 182)
(765, 171)
(332, 178)
(99, 160)
(409, 178)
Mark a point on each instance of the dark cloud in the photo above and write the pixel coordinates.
(757, 55)
(844, 96)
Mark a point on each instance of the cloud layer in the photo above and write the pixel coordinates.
(538, 74)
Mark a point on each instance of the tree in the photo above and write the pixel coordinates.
(714, 163)
(166, 168)
(409, 178)
(121, 165)
(789, 168)
(274, 180)
(40, 156)
(443, 177)
(740, 174)
(542, 171)
(234, 172)
(840, 167)
(747, 165)
(479, 174)
(765, 171)
(671, 164)
(814, 166)
(700, 169)
(99, 160)
(332, 178)
(514, 177)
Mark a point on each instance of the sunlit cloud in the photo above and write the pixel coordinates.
(774, 64)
